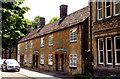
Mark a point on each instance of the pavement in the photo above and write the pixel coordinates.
(62, 75)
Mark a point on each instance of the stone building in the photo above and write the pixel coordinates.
(57, 46)
(106, 36)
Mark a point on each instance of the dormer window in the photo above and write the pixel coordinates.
(99, 9)
(116, 7)
(107, 8)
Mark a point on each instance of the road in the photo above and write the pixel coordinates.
(25, 74)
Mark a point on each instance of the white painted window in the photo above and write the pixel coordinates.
(30, 60)
(26, 44)
(42, 59)
(73, 35)
(99, 10)
(18, 46)
(108, 51)
(100, 51)
(50, 40)
(107, 8)
(116, 7)
(117, 49)
(50, 59)
(25, 58)
(42, 42)
(31, 44)
(73, 60)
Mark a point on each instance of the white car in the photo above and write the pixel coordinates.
(1, 62)
(10, 64)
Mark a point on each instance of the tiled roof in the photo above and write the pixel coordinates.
(65, 22)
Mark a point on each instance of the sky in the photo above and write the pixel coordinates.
(50, 8)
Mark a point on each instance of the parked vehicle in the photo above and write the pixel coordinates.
(10, 64)
(1, 62)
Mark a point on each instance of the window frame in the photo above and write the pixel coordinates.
(116, 50)
(115, 14)
(107, 51)
(31, 43)
(42, 41)
(73, 35)
(25, 58)
(41, 58)
(50, 41)
(99, 51)
(31, 58)
(98, 11)
(106, 10)
(50, 59)
(74, 56)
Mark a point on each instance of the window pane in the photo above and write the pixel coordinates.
(117, 42)
(100, 44)
(99, 5)
(107, 2)
(101, 56)
(100, 13)
(108, 43)
(108, 11)
(99, 8)
(118, 56)
(109, 57)
(117, 7)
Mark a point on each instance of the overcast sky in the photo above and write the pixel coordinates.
(50, 8)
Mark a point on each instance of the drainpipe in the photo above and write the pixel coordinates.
(91, 56)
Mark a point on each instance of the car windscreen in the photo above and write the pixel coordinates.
(11, 62)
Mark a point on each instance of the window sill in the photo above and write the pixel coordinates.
(117, 64)
(108, 17)
(73, 41)
(73, 66)
(100, 19)
(50, 44)
(42, 46)
(116, 14)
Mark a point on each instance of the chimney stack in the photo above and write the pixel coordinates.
(42, 22)
(63, 11)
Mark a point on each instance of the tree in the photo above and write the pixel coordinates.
(54, 19)
(36, 22)
(14, 25)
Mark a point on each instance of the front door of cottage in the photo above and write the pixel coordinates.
(35, 59)
(59, 62)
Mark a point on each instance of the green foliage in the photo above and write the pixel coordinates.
(36, 22)
(14, 25)
(54, 19)
(83, 76)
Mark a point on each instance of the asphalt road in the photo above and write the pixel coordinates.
(25, 74)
